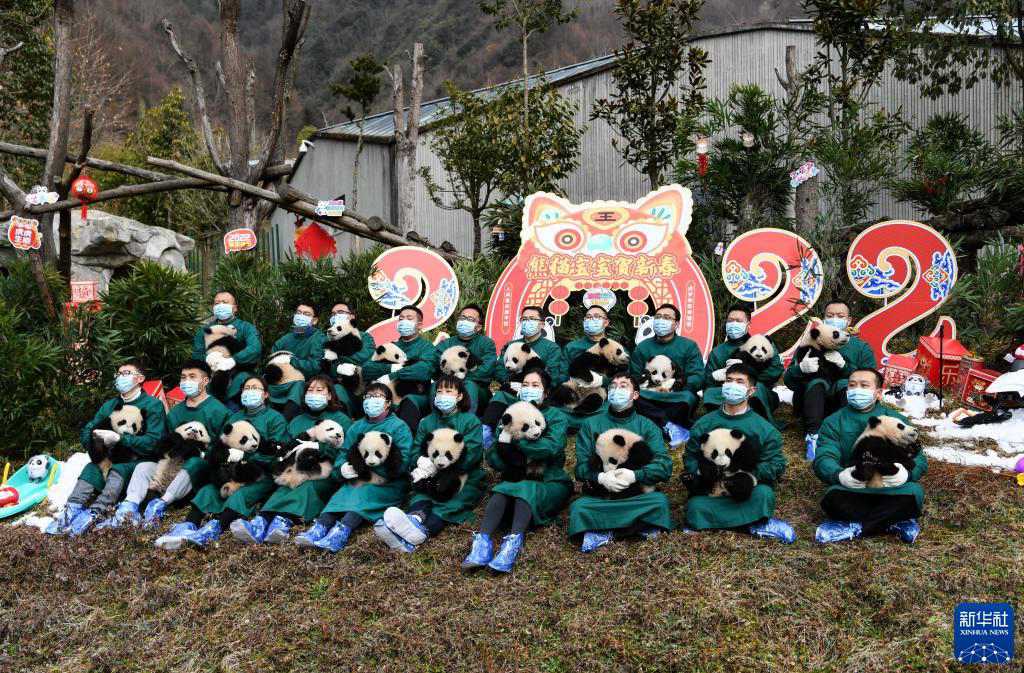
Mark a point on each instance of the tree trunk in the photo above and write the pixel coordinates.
(806, 206)
(526, 84)
(208, 243)
(477, 236)
(407, 138)
(355, 167)
(64, 260)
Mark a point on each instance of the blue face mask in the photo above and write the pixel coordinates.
(339, 318)
(619, 398)
(530, 327)
(223, 311)
(735, 329)
(190, 388)
(373, 406)
(593, 326)
(315, 401)
(530, 394)
(124, 382)
(860, 398)
(406, 328)
(445, 403)
(301, 321)
(734, 393)
(838, 323)
(662, 327)
(465, 328)
(252, 399)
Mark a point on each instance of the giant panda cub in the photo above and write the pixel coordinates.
(325, 431)
(303, 462)
(662, 375)
(371, 450)
(823, 342)
(756, 352)
(221, 343)
(520, 359)
(444, 448)
(521, 421)
(885, 442)
(125, 419)
(616, 449)
(238, 442)
(186, 441)
(343, 340)
(457, 361)
(400, 388)
(280, 370)
(727, 461)
(584, 392)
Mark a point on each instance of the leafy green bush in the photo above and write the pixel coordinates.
(154, 312)
(19, 290)
(477, 278)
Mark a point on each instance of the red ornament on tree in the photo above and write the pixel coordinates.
(85, 190)
(314, 242)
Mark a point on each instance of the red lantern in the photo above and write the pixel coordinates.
(85, 190)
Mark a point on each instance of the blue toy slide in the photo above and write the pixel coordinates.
(30, 493)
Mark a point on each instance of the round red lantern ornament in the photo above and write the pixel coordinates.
(85, 190)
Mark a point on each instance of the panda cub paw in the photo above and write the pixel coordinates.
(740, 485)
(330, 355)
(836, 358)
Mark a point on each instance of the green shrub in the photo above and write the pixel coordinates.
(256, 285)
(477, 278)
(19, 290)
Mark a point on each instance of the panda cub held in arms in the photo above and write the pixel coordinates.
(823, 342)
(400, 388)
(662, 375)
(726, 465)
(618, 449)
(350, 376)
(521, 421)
(756, 352)
(520, 359)
(372, 450)
(443, 448)
(584, 393)
(221, 344)
(885, 443)
(125, 419)
(457, 361)
(280, 370)
(188, 440)
(239, 442)
(343, 340)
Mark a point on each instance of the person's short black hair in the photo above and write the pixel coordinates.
(602, 309)
(447, 381)
(879, 379)
(333, 403)
(745, 369)
(378, 387)
(531, 307)
(739, 307)
(257, 377)
(133, 362)
(674, 310)
(410, 307)
(624, 374)
(194, 363)
(306, 302)
(545, 378)
(837, 300)
(475, 307)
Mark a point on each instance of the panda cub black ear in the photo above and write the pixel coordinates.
(457, 438)
(526, 348)
(603, 342)
(815, 333)
(227, 429)
(736, 434)
(874, 422)
(506, 419)
(619, 439)
(463, 354)
(380, 349)
(386, 438)
(703, 439)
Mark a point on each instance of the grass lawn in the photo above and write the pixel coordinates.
(706, 602)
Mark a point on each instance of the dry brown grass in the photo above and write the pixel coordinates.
(708, 602)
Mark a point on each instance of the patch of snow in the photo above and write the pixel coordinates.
(69, 473)
(1008, 435)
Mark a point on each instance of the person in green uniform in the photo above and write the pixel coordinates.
(354, 504)
(103, 491)
(531, 320)
(754, 515)
(669, 410)
(208, 502)
(199, 406)
(595, 328)
(469, 333)
(814, 398)
(342, 312)
(531, 501)
(427, 516)
(305, 342)
(853, 508)
(419, 367)
(287, 506)
(247, 360)
(737, 331)
(600, 518)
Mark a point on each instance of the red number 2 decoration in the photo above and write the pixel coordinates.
(410, 275)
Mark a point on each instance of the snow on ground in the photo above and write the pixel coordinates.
(954, 444)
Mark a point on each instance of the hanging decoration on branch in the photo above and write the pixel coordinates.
(802, 174)
(38, 196)
(314, 242)
(23, 233)
(702, 156)
(85, 190)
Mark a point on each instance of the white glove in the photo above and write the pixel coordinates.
(732, 361)
(235, 455)
(426, 465)
(836, 358)
(625, 475)
(330, 355)
(719, 374)
(225, 365)
(109, 437)
(441, 338)
(417, 475)
(346, 369)
(611, 482)
(306, 444)
(395, 368)
(348, 472)
(898, 479)
(846, 479)
(214, 359)
(515, 385)
(809, 365)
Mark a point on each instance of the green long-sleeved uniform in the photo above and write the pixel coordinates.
(766, 378)
(271, 425)
(213, 415)
(422, 366)
(307, 500)
(647, 509)
(247, 359)
(548, 495)
(684, 353)
(548, 351)
(704, 511)
(307, 349)
(460, 508)
(835, 452)
(856, 353)
(370, 500)
(145, 446)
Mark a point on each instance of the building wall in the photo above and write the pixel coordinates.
(740, 58)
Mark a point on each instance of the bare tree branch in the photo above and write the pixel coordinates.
(11, 191)
(4, 51)
(200, 96)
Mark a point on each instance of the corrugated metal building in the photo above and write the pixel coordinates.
(746, 55)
